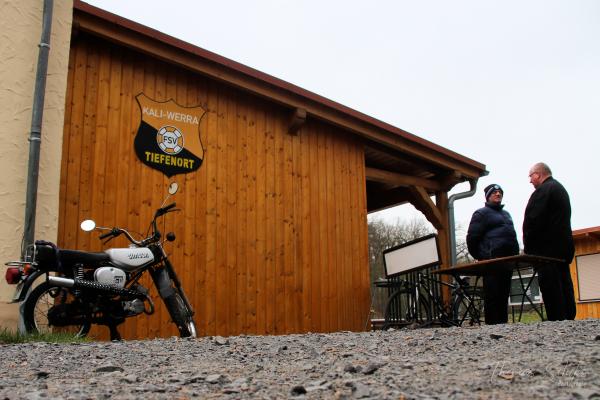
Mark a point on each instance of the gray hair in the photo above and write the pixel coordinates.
(542, 168)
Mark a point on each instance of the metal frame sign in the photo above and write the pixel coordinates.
(416, 254)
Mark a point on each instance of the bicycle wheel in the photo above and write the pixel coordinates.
(180, 315)
(401, 310)
(47, 299)
(469, 306)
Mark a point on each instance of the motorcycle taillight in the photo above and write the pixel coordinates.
(13, 275)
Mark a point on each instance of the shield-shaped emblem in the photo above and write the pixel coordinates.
(168, 138)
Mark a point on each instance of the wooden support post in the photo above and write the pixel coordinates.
(443, 230)
(444, 239)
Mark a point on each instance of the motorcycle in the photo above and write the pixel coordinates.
(99, 287)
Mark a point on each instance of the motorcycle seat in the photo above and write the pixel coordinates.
(71, 257)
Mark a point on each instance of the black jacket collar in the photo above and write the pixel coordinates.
(494, 206)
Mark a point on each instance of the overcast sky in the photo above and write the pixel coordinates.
(507, 83)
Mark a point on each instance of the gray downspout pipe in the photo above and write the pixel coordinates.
(451, 201)
(35, 136)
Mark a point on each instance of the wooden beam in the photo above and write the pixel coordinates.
(297, 120)
(595, 235)
(423, 203)
(395, 179)
(379, 199)
(450, 180)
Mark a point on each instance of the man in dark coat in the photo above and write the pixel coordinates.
(492, 234)
(547, 232)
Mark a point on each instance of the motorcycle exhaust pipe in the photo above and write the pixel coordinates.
(60, 281)
(91, 285)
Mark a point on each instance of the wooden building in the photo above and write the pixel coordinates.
(585, 272)
(273, 234)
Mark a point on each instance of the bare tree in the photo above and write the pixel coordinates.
(462, 252)
(383, 235)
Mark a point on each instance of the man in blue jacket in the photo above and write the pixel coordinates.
(492, 234)
(547, 232)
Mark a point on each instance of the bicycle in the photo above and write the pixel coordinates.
(417, 303)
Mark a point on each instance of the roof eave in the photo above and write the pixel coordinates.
(125, 32)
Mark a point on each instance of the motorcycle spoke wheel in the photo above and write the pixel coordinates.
(181, 316)
(37, 305)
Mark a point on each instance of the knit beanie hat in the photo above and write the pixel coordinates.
(489, 189)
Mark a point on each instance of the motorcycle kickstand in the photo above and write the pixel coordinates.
(114, 333)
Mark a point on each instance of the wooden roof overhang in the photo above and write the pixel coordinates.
(593, 232)
(400, 167)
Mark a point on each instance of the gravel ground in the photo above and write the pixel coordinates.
(550, 360)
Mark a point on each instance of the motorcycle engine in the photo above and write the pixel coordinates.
(110, 276)
(133, 307)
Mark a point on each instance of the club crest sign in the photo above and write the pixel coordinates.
(168, 138)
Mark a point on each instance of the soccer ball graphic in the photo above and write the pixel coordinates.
(169, 139)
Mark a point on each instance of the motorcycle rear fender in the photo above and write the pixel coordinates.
(162, 281)
(28, 282)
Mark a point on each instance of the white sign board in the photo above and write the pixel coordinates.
(419, 253)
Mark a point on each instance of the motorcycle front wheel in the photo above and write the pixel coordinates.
(40, 302)
(180, 315)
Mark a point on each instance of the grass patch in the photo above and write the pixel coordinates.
(7, 336)
(528, 317)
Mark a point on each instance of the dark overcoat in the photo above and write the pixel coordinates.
(547, 224)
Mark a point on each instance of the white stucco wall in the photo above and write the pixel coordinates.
(21, 23)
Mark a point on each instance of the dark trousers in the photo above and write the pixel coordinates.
(496, 289)
(557, 291)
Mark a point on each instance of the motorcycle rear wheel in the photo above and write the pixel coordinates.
(180, 315)
(39, 302)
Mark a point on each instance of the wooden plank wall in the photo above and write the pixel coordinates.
(584, 245)
(273, 234)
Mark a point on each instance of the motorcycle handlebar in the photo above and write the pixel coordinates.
(117, 231)
(164, 210)
(114, 232)
(106, 235)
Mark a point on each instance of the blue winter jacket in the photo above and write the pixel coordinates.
(492, 233)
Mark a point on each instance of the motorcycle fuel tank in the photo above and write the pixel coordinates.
(130, 258)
